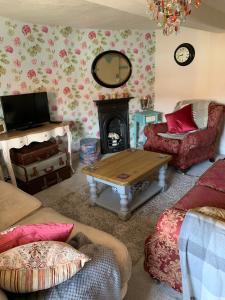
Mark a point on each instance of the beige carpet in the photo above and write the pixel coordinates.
(71, 199)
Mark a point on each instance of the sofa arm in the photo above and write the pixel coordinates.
(169, 224)
(198, 139)
(153, 129)
(3, 295)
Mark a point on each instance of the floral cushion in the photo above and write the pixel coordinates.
(38, 266)
(215, 176)
(25, 234)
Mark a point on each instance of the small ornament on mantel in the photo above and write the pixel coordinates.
(147, 103)
(114, 95)
(101, 97)
(126, 93)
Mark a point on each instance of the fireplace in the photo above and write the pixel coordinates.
(113, 115)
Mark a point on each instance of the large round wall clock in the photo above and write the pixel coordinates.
(184, 54)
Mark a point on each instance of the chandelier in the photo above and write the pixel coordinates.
(169, 14)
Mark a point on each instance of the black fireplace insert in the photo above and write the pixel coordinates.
(113, 117)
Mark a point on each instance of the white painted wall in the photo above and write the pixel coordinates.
(199, 80)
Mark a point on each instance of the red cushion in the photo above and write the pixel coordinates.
(181, 120)
(200, 196)
(25, 234)
(214, 177)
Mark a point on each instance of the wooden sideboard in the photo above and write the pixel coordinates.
(18, 139)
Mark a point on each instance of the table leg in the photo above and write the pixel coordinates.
(7, 159)
(135, 132)
(69, 139)
(162, 177)
(93, 189)
(124, 196)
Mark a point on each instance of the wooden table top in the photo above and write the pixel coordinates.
(128, 166)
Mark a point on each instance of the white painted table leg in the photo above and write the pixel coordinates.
(162, 177)
(124, 196)
(7, 159)
(93, 189)
(69, 139)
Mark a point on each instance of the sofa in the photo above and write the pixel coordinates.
(162, 259)
(17, 207)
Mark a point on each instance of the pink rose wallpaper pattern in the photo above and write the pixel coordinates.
(58, 60)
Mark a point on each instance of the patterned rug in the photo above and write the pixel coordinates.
(132, 233)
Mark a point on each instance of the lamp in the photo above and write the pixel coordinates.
(169, 14)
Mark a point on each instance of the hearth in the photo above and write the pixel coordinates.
(113, 115)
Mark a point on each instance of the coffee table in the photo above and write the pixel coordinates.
(122, 174)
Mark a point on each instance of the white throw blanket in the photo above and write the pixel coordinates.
(177, 136)
(202, 257)
(200, 110)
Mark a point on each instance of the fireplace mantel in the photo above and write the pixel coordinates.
(111, 101)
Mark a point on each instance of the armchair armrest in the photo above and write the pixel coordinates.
(153, 129)
(199, 138)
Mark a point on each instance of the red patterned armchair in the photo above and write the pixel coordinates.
(194, 147)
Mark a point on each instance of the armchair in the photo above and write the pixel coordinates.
(194, 147)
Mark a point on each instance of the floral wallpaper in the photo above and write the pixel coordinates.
(58, 60)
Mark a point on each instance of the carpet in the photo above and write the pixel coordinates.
(141, 286)
(74, 204)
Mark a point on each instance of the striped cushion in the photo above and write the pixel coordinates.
(38, 266)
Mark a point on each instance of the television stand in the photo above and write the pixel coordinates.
(29, 127)
(19, 138)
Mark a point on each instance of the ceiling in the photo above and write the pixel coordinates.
(107, 14)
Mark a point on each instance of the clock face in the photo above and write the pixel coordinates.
(184, 54)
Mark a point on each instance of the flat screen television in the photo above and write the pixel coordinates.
(25, 110)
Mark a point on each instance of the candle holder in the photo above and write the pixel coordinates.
(146, 103)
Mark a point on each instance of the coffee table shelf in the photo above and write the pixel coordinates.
(110, 199)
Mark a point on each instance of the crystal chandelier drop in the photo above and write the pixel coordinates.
(169, 14)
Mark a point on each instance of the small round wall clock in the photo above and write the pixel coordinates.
(184, 54)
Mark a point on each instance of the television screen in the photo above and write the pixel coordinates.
(25, 110)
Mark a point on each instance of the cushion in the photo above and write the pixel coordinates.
(200, 196)
(214, 177)
(214, 212)
(181, 120)
(25, 234)
(38, 266)
(121, 253)
(15, 204)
